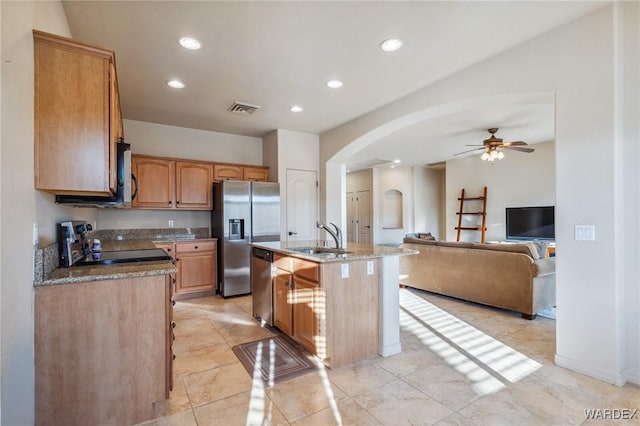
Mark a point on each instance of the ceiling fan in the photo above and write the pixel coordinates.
(493, 143)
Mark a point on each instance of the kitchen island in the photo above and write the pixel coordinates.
(341, 305)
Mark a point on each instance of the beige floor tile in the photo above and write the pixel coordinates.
(499, 409)
(235, 334)
(178, 400)
(445, 385)
(408, 361)
(245, 303)
(204, 358)
(215, 384)
(247, 408)
(304, 395)
(359, 378)
(197, 339)
(191, 325)
(398, 403)
(224, 315)
(185, 418)
(347, 412)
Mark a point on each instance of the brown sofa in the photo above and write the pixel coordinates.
(509, 276)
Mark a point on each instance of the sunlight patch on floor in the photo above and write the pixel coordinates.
(481, 358)
(257, 414)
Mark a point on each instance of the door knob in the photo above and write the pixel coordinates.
(293, 233)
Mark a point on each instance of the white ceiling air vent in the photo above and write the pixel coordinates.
(243, 108)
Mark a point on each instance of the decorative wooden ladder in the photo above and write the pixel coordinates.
(483, 213)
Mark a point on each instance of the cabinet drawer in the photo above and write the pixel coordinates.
(306, 269)
(283, 262)
(195, 246)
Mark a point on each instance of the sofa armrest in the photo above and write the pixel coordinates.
(545, 266)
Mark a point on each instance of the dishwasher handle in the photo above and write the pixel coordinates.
(263, 254)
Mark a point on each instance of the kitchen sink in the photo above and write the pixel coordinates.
(320, 251)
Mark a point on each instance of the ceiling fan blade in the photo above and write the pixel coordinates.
(474, 145)
(470, 150)
(515, 143)
(517, 148)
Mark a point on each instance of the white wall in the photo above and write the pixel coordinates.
(285, 150)
(178, 142)
(429, 196)
(518, 180)
(575, 66)
(361, 180)
(21, 203)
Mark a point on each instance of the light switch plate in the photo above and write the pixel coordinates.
(170, 223)
(345, 270)
(370, 270)
(585, 233)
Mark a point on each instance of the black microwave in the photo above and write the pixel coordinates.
(122, 197)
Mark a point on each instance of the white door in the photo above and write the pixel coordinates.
(363, 209)
(302, 205)
(351, 217)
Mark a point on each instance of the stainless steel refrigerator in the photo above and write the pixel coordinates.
(243, 212)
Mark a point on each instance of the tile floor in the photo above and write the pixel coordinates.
(461, 364)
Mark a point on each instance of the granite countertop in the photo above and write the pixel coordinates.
(141, 239)
(354, 251)
(81, 274)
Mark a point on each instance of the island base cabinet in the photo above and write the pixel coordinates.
(101, 351)
(307, 308)
(282, 295)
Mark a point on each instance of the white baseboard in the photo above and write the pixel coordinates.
(390, 350)
(579, 367)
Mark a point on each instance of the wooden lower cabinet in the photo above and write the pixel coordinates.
(101, 350)
(306, 307)
(197, 269)
(282, 298)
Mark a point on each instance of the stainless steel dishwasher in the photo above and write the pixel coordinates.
(262, 284)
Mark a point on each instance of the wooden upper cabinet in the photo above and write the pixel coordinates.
(168, 184)
(193, 185)
(225, 172)
(260, 174)
(77, 116)
(154, 182)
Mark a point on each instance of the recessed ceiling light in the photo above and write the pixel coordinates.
(176, 84)
(392, 167)
(189, 43)
(334, 84)
(391, 45)
(297, 108)
(396, 161)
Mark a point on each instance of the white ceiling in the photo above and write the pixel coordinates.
(276, 54)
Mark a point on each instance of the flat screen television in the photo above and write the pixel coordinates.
(530, 223)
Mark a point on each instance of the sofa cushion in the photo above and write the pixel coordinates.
(525, 248)
(541, 246)
(426, 236)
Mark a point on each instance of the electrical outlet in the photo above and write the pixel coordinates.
(170, 223)
(370, 270)
(345, 270)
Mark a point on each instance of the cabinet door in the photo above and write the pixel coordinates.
(196, 267)
(116, 131)
(305, 313)
(259, 174)
(224, 172)
(155, 182)
(193, 185)
(71, 117)
(282, 306)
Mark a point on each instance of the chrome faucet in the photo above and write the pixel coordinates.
(336, 235)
